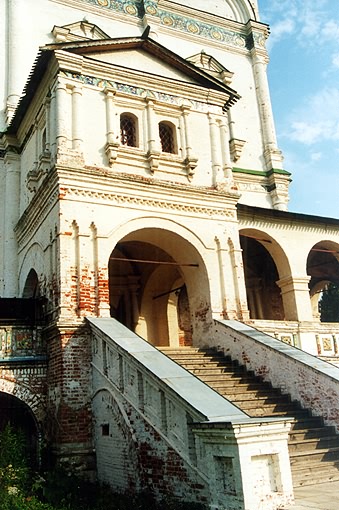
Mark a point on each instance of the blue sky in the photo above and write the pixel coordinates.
(304, 83)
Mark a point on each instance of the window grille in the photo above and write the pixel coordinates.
(127, 131)
(166, 138)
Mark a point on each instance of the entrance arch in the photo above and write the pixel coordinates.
(265, 264)
(19, 416)
(157, 284)
(323, 269)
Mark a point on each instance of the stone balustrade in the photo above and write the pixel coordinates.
(308, 379)
(157, 425)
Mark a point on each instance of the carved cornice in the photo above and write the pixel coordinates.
(144, 192)
(124, 200)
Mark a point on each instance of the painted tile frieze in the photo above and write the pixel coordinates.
(179, 22)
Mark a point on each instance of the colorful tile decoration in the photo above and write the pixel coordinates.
(192, 26)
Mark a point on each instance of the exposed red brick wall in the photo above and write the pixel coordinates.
(69, 383)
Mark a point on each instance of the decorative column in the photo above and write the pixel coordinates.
(153, 141)
(272, 154)
(47, 147)
(190, 161)
(112, 132)
(225, 308)
(218, 175)
(239, 279)
(12, 212)
(63, 114)
(296, 298)
(278, 178)
(225, 152)
(77, 120)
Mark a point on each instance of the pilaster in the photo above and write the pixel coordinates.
(12, 211)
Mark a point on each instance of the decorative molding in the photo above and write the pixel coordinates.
(79, 30)
(185, 23)
(123, 199)
(135, 91)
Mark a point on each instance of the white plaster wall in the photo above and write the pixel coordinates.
(3, 60)
(34, 21)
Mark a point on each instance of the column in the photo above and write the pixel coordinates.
(153, 141)
(63, 114)
(272, 154)
(12, 212)
(77, 121)
(47, 125)
(190, 161)
(239, 280)
(296, 298)
(218, 176)
(112, 131)
(225, 150)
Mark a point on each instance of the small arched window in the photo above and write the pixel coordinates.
(167, 137)
(128, 130)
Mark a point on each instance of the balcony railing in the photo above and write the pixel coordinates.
(20, 330)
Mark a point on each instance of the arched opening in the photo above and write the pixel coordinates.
(128, 130)
(261, 277)
(167, 137)
(154, 281)
(19, 416)
(31, 288)
(323, 269)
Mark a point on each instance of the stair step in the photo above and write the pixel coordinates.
(315, 474)
(313, 447)
(313, 456)
(326, 442)
(241, 394)
(308, 433)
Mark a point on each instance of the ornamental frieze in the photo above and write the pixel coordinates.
(138, 91)
(140, 202)
(138, 8)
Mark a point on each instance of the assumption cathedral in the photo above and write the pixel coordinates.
(151, 274)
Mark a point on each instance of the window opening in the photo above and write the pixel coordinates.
(166, 138)
(127, 131)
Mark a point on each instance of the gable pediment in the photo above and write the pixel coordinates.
(141, 61)
(79, 31)
(144, 55)
(211, 66)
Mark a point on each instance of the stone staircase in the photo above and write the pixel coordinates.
(313, 446)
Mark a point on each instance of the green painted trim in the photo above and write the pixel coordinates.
(261, 173)
(248, 171)
(277, 171)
